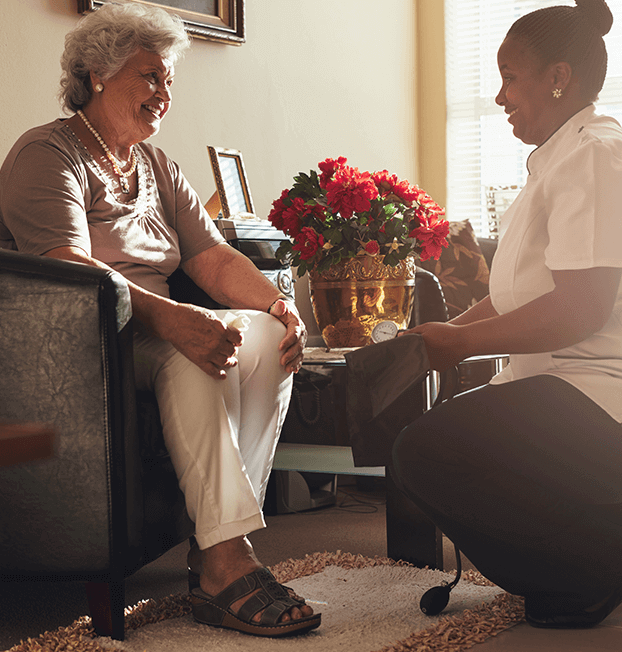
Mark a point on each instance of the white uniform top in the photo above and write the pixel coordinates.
(567, 217)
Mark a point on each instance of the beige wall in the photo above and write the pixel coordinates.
(314, 79)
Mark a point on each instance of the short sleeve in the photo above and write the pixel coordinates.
(43, 200)
(583, 197)
(195, 229)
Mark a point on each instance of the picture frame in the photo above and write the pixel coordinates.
(222, 21)
(231, 182)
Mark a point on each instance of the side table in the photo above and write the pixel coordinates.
(411, 536)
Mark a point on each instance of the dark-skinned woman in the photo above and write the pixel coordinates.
(89, 189)
(524, 474)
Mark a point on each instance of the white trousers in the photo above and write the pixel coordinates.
(221, 434)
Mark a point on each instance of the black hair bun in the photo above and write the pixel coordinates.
(598, 13)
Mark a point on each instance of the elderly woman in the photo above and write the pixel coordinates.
(89, 189)
(525, 474)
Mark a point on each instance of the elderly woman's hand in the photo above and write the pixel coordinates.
(293, 344)
(202, 338)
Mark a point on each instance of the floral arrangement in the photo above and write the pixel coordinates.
(343, 213)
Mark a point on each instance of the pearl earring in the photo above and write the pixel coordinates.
(557, 93)
(99, 87)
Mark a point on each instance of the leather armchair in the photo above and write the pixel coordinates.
(429, 299)
(108, 501)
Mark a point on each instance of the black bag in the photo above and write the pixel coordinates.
(310, 418)
(385, 394)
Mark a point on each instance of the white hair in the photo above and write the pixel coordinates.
(105, 39)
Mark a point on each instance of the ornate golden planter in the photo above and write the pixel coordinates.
(350, 298)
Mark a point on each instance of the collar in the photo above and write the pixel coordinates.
(557, 144)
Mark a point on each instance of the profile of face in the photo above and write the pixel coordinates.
(527, 93)
(136, 99)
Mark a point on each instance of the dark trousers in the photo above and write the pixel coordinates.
(526, 478)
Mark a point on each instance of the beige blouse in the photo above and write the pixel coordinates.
(54, 194)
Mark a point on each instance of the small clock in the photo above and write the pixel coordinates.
(383, 331)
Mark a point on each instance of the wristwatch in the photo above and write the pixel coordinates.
(383, 331)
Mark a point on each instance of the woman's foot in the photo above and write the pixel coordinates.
(221, 565)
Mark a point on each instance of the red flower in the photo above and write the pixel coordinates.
(425, 201)
(317, 211)
(384, 182)
(391, 185)
(292, 217)
(432, 233)
(372, 248)
(351, 191)
(278, 208)
(329, 167)
(406, 192)
(307, 242)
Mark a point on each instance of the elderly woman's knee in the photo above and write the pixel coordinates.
(265, 332)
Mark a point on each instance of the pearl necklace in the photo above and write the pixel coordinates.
(123, 176)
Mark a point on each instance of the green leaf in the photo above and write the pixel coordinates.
(325, 264)
(335, 237)
(391, 259)
(284, 248)
(306, 186)
(389, 210)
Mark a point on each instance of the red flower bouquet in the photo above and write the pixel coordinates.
(342, 213)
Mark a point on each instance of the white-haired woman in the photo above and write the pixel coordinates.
(89, 189)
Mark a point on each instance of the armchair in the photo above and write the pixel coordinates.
(108, 501)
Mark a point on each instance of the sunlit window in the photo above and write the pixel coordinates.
(485, 162)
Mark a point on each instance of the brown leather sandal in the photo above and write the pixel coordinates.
(272, 598)
(194, 582)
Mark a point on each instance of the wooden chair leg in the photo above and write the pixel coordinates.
(107, 604)
(411, 536)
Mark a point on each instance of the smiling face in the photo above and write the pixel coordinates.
(136, 99)
(527, 93)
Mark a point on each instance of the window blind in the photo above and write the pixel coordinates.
(486, 164)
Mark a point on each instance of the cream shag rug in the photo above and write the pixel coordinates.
(367, 605)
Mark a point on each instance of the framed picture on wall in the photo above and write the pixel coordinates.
(231, 182)
(214, 20)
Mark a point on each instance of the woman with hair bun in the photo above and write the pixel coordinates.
(525, 473)
(89, 189)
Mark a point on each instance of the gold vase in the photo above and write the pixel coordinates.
(350, 298)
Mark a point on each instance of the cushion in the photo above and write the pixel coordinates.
(462, 269)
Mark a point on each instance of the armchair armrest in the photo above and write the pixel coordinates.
(66, 351)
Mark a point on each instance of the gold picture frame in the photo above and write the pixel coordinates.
(214, 20)
(231, 182)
